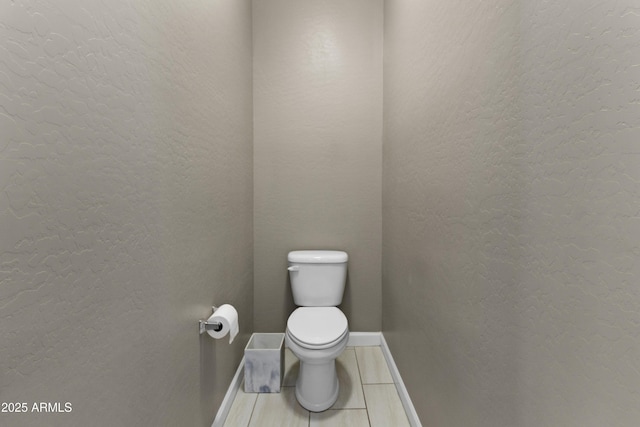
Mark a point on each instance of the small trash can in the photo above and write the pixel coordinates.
(264, 363)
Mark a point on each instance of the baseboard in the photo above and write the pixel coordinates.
(356, 339)
(225, 406)
(364, 339)
(402, 390)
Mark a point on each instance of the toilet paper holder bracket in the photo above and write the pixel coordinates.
(205, 325)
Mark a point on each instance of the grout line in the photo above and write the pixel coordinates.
(253, 408)
(391, 383)
(343, 409)
(365, 404)
(355, 353)
(364, 397)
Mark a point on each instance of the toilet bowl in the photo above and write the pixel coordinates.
(317, 336)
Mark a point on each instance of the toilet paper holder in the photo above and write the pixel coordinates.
(205, 325)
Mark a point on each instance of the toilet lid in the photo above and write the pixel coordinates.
(317, 325)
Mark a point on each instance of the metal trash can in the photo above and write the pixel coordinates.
(264, 363)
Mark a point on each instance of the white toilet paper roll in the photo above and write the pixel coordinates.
(227, 316)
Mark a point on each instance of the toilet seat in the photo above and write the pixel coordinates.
(313, 346)
(317, 327)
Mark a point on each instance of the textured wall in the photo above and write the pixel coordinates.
(510, 210)
(450, 207)
(317, 148)
(125, 207)
(579, 275)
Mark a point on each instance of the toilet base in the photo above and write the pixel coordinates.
(317, 386)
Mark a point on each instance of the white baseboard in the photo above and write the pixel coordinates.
(364, 339)
(402, 390)
(356, 339)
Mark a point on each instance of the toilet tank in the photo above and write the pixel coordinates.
(317, 277)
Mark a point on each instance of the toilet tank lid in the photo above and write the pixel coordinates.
(318, 257)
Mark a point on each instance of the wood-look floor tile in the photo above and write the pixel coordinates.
(373, 366)
(384, 406)
(367, 397)
(240, 412)
(279, 410)
(340, 418)
(350, 394)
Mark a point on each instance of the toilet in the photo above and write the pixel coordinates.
(317, 331)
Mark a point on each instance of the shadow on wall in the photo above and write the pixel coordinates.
(208, 370)
(347, 299)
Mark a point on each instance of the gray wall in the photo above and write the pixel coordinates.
(510, 210)
(125, 207)
(317, 148)
(510, 193)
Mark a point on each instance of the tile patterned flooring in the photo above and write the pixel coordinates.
(367, 398)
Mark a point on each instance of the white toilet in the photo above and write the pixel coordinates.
(317, 331)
